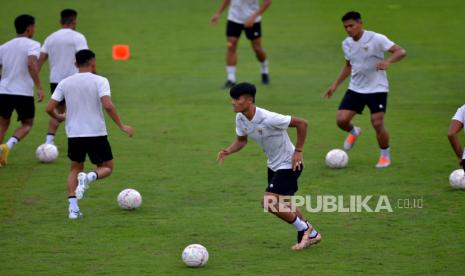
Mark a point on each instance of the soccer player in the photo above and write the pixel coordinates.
(59, 48)
(455, 126)
(85, 94)
(285, 162)
(243, 15)
(19, 74)
(364, 53)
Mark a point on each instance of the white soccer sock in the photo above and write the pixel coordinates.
(264, 67)
(73, 204)
(299, 224)
(11, 142)
(386, 152)
(92, 176)
(50, 139)
(355, 131)
(231, 70)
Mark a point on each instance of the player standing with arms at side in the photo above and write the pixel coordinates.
(19, 74)
(365, 62)
(243, 15)
(85, 94)
(285, 162)
(59, 48)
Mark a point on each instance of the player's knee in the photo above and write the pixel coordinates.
(377, 124)
(270, 203)
(342, 122)
(232, 46)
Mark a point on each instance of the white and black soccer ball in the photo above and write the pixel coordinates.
(195, 255)
(47, 153)
(129, 199)
(457, 179)
(337, 159)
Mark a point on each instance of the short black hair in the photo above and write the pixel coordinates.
(243, 88)
(67, 16)
(23, 21)
(83, 57)
(352, 15)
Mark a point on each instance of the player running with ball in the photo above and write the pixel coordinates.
(285, 162)
(85, 94)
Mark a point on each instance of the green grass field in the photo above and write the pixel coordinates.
(170, 92)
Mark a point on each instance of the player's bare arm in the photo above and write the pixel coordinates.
(301, 125)
(397, 53)
(51, 110)
(216, 16)
(454, 129)
(236, 146)
(111, 110)
(34, 72)
(42, 59)
(345, 72)
(263, 7)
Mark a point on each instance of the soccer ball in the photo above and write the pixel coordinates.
(195, 255)
(47, 153)
(337, 159)
(129, 199)
(457, 179)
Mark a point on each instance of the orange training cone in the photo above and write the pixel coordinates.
(120, 52)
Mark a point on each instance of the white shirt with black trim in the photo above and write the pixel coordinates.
(61, 47)
(363, 56)
(82, 93)
(14, 56)
(269, 130)
(241, 10)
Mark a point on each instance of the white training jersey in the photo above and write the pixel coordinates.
(363, 55)
(82, 93)
(14, 55)
(61, 47)
(269, 130)
(460, 116)
(241, 10)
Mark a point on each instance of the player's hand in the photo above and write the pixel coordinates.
(222, 155)
(297, 161)
(250, 22)
(214, 19)
(61, 117)
(40, 95)
(330, 91)
(383, 65)
(129, 130)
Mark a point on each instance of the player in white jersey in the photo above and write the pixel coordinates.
(285, 162)
(19, 74)
(365, 62)
(85, 94)
(59, 48)
(243, 15)
(456, 125)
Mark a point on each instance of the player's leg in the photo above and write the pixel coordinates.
(53, 124)
(233, 32)
(73, 210)
(99, 151)
(377, 102)
(6, 109)
(254, 34)
(351, 104)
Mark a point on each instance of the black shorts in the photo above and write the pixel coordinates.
(24, 106)
(53, 86)
(234, 29)
(376, 102)
(283, 182)
(98, 149)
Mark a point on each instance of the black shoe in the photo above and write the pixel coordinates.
(265, 79)
(229, 84)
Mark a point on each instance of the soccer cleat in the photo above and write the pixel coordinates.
(74, 214)
(306, 240)
(351, 139)
(4, 152)
(265, 79)
(83, 185)
(383, 162)
(229, 84)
